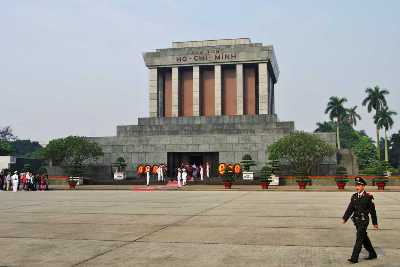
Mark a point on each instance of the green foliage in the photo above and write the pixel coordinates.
(302, 177)
(325, 127)
(120, 164)
(378, 168)
(73, 152)
(394, 150)
(341, 174)
(365, 150)
(247, 162)
(5, 148)
(335, 108)
(27, 168)
(375, 98)
(266, 173)
(229, 175)
(302, 150)
(25, 147)
(42, 171)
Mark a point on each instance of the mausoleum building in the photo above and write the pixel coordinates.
(211, 100)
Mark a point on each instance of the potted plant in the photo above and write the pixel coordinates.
(380, 171)
(120, 166)
(228, 178)
(75, 170)
(341, 177)
(265, 178)
(302, 180)
(247, 162)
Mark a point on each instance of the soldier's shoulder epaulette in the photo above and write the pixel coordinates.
(370, 195)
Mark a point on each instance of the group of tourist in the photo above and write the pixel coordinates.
(190, 172)
(12, 181)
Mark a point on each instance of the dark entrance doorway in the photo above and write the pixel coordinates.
(175, 159)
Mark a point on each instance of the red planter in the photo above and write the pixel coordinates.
(71, 184)
(341, 185)
(302, 185)
(264, 185)
(228, 185)
(381, 185)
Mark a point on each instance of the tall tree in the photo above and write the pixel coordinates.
(375, 100)
(352, 116)
(6, 134)
(383, 119)
(336, 111)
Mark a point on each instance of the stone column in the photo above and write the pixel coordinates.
(239, 89)
(196, 90)
(217, 88)
(153, 94)
(263, 90)
(160, 96)
(175, 93)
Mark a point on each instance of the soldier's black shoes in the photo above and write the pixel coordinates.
(371, 257)
(352, 261)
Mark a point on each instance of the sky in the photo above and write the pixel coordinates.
(75, 67)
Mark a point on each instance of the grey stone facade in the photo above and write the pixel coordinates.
(151, 139)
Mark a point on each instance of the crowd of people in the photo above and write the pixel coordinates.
(190, 172)
(27, 181)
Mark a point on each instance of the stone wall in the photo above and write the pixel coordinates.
(231, 136)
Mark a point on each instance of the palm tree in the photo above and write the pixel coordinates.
(375, 100)
(336, 111)
(352, 116)
(383, 119)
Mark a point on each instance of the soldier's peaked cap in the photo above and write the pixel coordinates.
(360, 180)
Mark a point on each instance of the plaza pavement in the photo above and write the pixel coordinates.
(188, 228)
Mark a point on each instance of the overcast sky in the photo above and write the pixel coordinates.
(76, 67)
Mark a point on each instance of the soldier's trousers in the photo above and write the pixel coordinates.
(362, 240)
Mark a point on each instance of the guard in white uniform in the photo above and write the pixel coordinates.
(207, 170)
(162, 168)
(184, 176)
(148, 178)
(14, 179)
(159, 171)
(201, 173)
(179, 177)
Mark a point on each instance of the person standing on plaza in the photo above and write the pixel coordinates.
(162, 169)
(360, 207)
(148, 176)
(207, 170)
(179, 177)
(201, 172)
(15, 180)
(184, 176)
(8, 182)
(2, 179)
(159, 170)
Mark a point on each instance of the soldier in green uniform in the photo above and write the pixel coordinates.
(361, 205)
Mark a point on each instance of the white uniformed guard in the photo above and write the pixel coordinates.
(207, 170)
(162, 167)
(184, 176)
(147, 177)
(14, 179)
(201, 173)
(159, 171)
(179, 177)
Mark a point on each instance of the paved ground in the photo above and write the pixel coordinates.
(188, 228)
